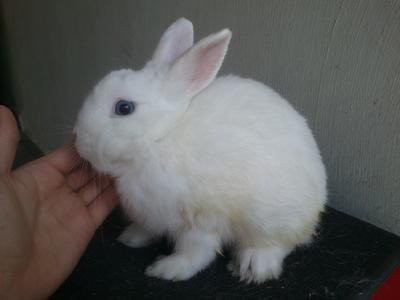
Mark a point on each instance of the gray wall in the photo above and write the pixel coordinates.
(338, 62)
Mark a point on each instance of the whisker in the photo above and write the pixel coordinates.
(83, 168)
(77, 160)
(74, 165)
(62, 130)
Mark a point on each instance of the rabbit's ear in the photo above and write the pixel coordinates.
(177, 39)
(194, 71)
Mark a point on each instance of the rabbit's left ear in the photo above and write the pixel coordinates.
(177, 39)
(197, 68)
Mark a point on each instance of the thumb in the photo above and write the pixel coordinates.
(9, 137)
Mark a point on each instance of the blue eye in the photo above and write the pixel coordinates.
(124, 107)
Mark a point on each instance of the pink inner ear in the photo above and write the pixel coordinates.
(206, 64)
(195, 69)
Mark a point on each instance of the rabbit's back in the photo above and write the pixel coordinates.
(232, 103)
(247, 152)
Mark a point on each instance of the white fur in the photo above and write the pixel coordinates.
(136, 236)
(206, 162)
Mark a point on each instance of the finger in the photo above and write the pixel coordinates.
(79, 177)
(64, 159)
(103, 205)
(9, 138)
(93, 189)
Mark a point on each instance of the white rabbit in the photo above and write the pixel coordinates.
(208, 162)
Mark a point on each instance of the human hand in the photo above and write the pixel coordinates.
(49, 210)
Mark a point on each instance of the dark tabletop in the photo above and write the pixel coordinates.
(348, 259)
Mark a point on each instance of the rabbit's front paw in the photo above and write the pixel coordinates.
(172, 267)
(135, 236)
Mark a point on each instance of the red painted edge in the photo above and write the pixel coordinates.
(390, 289)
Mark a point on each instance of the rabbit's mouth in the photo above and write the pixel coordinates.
(100, 165)
(101, 157)
(87, 151)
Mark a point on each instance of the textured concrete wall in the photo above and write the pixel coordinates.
(338, 62)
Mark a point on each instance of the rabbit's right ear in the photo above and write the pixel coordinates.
(176, 40)
(197, 68)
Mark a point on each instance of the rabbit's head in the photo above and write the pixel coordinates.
(130, 110)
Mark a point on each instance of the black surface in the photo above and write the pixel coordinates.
(6, 87)
(348, 260)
